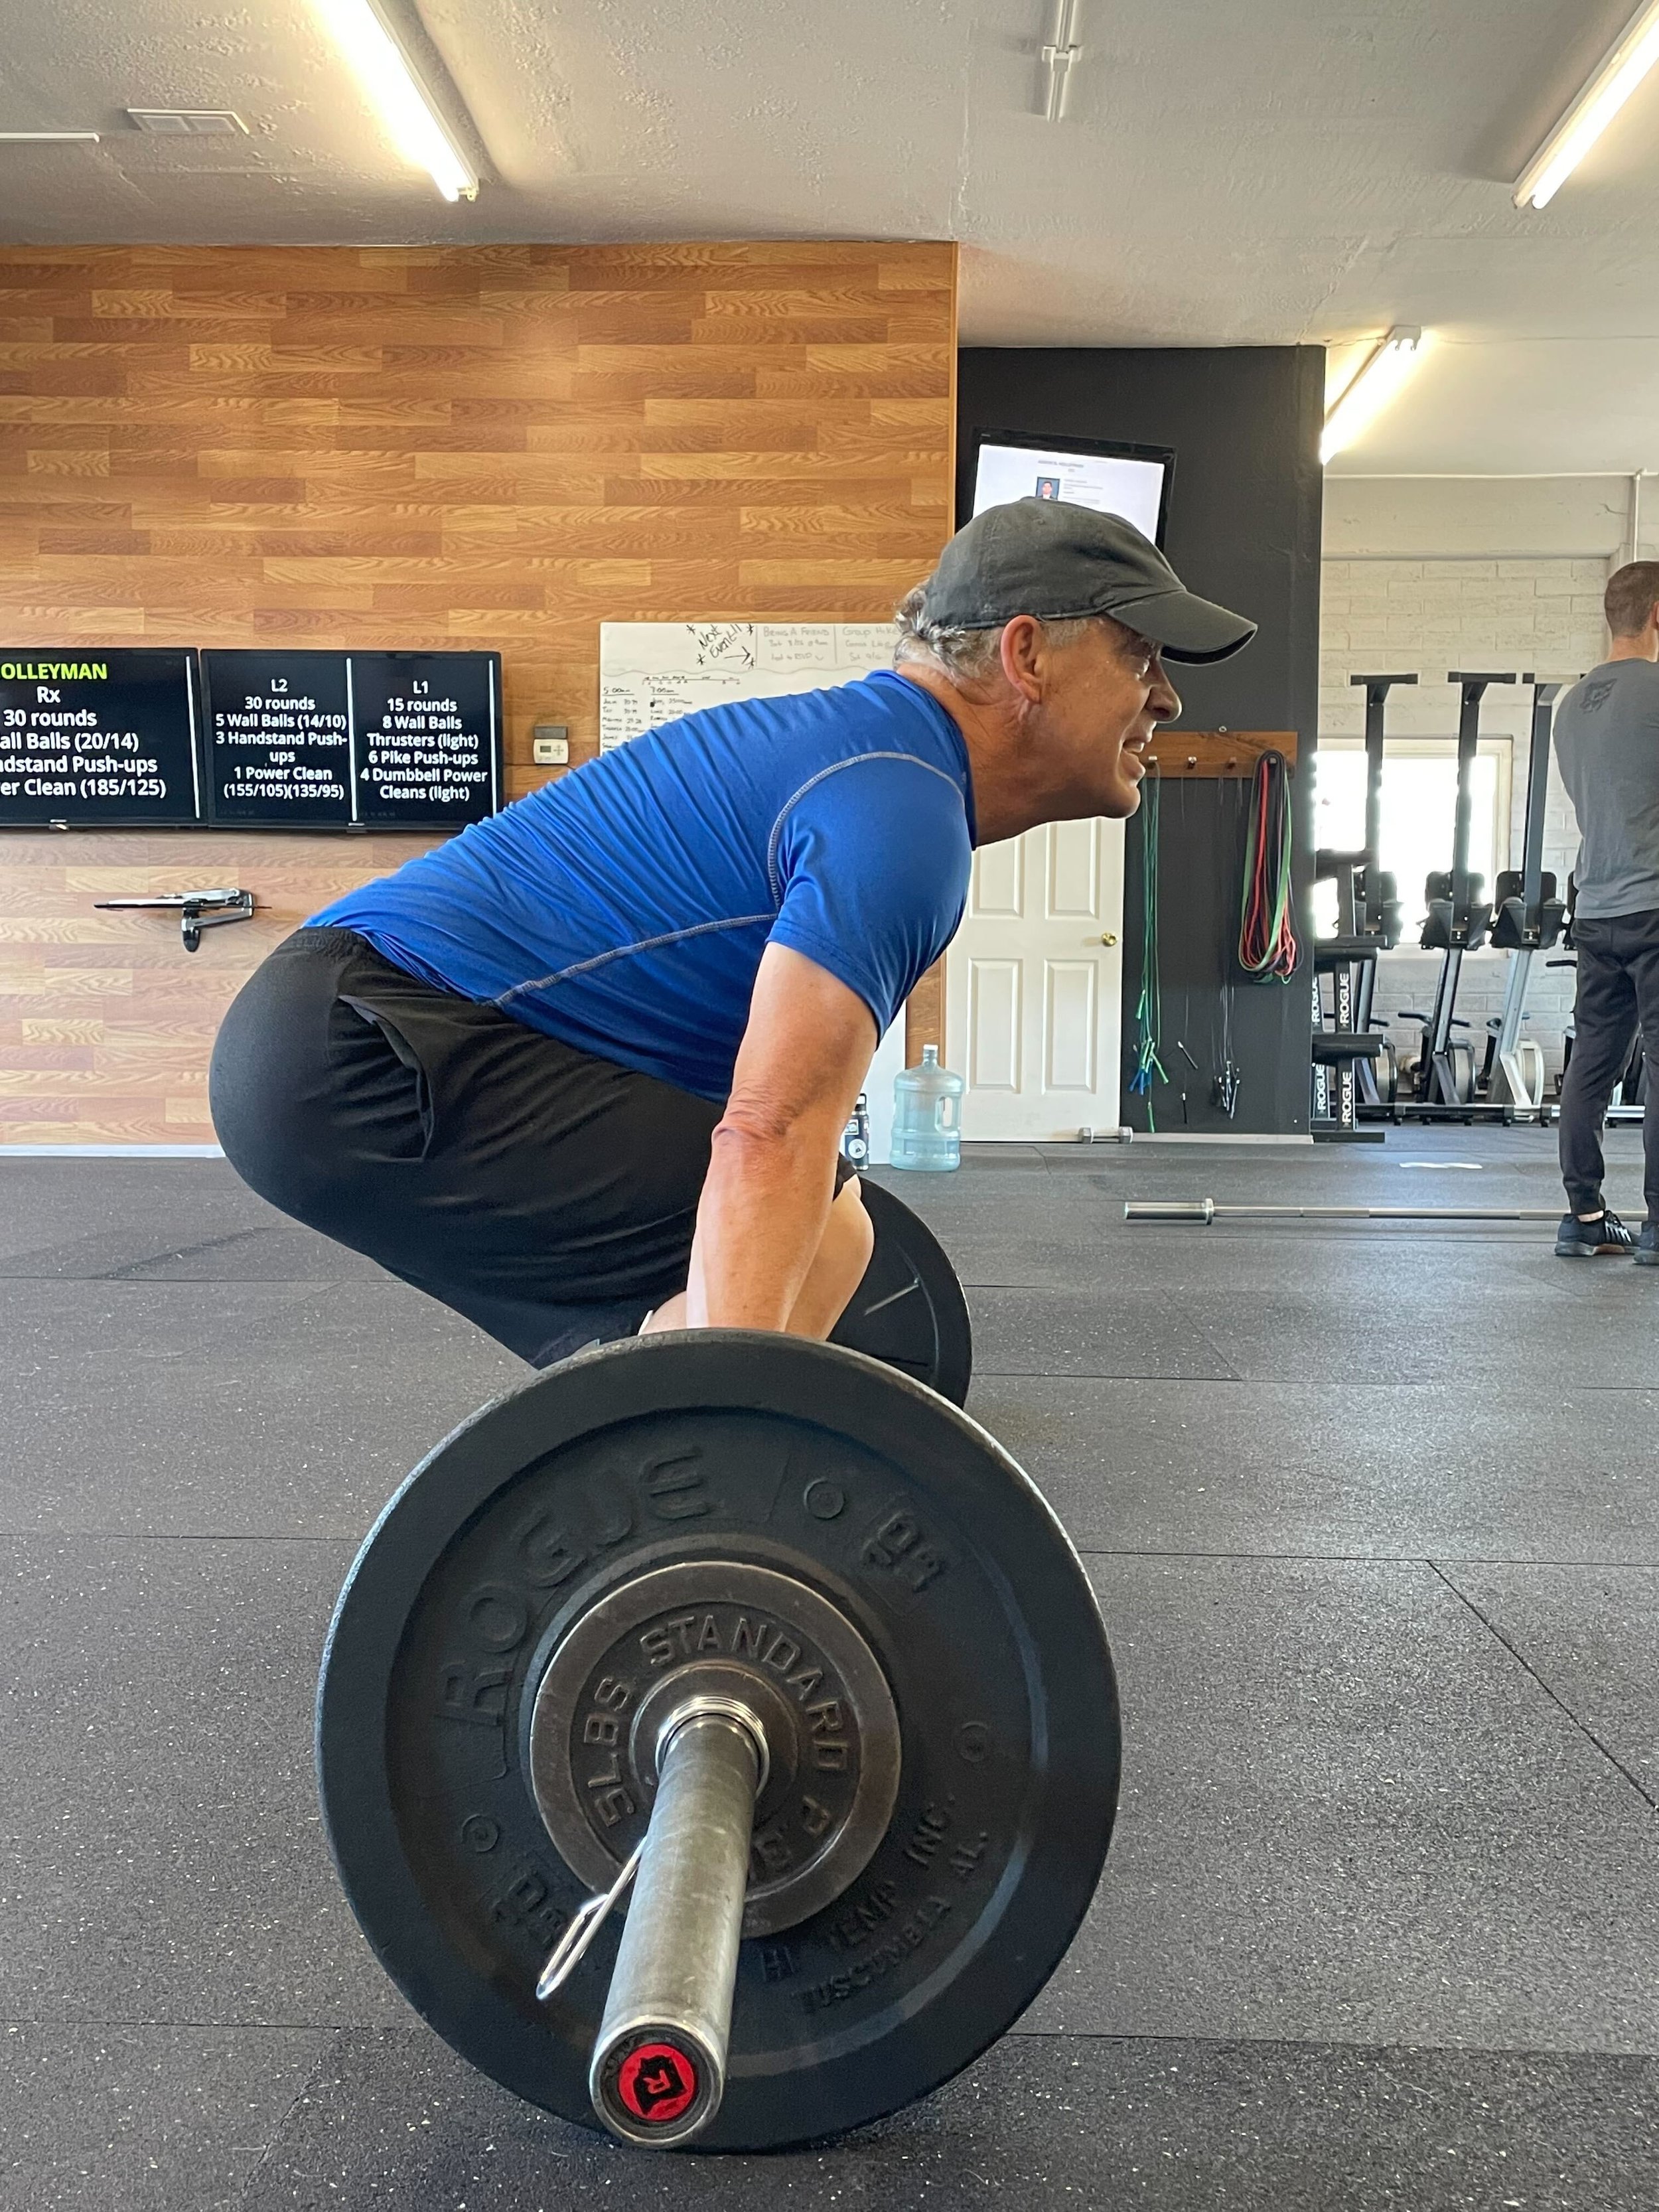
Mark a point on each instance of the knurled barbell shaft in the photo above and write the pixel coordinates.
(668, 2015)
(1205, 1211)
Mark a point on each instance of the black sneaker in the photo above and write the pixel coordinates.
(1587, 1240)
(1647, 1245)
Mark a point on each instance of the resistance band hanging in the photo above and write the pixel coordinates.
(1149, 1006)
(1267, 945)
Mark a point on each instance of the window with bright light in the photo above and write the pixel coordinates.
(1419, 800)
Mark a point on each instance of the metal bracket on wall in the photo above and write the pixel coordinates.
(1218, 752)
(197, 910)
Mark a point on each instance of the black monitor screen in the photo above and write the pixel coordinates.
(1133, 480)
(427, 736)
(344, 740)
(100, 737)
(278, 740)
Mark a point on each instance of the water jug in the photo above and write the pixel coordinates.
(927, 1115)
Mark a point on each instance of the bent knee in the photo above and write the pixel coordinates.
(849, 1230)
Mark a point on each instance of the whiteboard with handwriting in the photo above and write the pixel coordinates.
(652, 672)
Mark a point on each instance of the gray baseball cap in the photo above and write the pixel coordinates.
(1050, 558)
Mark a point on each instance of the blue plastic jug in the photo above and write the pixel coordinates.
(927, 1115)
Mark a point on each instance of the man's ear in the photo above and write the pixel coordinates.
(1022, 652)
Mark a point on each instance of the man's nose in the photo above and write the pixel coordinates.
(1163, 700)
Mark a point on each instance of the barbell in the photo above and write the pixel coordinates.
(770, 1648)
(1202, 1211)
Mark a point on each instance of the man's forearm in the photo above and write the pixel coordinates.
(759, 1224)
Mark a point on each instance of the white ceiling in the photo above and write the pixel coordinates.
(1263, 174)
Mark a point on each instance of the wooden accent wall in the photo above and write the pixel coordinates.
(462, 447)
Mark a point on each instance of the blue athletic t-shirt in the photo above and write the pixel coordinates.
(625, 908)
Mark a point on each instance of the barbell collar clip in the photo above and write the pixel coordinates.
(586, 1922)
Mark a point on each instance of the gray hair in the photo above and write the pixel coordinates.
(965, 655)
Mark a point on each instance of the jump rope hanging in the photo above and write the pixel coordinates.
(1149, 1006)
(1268, 948)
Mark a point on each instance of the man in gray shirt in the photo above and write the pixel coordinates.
(1606, 739)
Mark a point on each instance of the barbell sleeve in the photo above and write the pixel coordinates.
(659, 2068)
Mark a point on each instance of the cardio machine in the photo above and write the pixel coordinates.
(1443, 1075)
(1347, 1052)
(1527, 920)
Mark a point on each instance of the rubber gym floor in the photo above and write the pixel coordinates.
(1373, 1518)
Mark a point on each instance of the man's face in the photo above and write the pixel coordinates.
(1103, 694)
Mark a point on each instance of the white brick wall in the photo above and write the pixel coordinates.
(1379, 616)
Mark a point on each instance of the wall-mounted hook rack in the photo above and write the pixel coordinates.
(197, 910)
(1217, 752)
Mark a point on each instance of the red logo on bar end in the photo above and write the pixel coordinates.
(657, 2083)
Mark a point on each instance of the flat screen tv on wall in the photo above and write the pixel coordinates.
(1133, 480)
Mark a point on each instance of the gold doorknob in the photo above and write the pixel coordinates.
(1109, 937)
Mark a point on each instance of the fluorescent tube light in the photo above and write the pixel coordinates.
(1621, 69)
(413, 121)
(48, 138)
(1371, 389)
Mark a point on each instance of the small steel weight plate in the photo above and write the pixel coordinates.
(878, 1529)
(713, 1628)
(908, 1311)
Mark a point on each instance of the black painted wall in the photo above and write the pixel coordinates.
(1244, 529)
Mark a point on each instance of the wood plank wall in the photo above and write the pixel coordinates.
(464, 446)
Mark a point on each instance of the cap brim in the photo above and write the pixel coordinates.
(1184, 627)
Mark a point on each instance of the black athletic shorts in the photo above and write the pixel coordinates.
(548, 1195)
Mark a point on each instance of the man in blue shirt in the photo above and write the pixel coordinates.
(591, 1060)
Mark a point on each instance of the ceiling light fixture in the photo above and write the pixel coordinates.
(1058, 56)
(1609, 85)
(413, 118)
(1370, 390)
(187, 122)
(48, 138)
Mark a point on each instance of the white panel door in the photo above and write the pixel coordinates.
(1032, 985)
